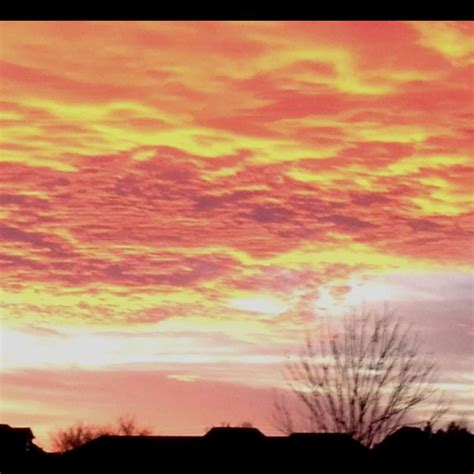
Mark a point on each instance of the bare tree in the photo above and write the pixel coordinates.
(283, 418)
(128, 426)
(76, 435)
(80, 433)
(365, 380)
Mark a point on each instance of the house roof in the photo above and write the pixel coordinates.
(223, 438)
(231, 433)
(25, 432)
(234, 447)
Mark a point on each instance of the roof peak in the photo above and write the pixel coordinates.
(233, 431)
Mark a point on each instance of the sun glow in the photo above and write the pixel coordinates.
(259, 304)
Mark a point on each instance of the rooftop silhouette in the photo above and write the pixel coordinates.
(241, 449)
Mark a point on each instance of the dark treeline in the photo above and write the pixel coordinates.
(245, 449)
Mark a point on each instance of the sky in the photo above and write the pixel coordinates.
(182, 201)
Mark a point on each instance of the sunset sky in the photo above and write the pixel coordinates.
(181, 201)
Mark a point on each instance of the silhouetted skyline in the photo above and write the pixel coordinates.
(239, 449)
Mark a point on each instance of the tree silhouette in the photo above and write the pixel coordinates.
(457, 427)
(76, 435)
(127, 426)
(364, 380)
(80, 433)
